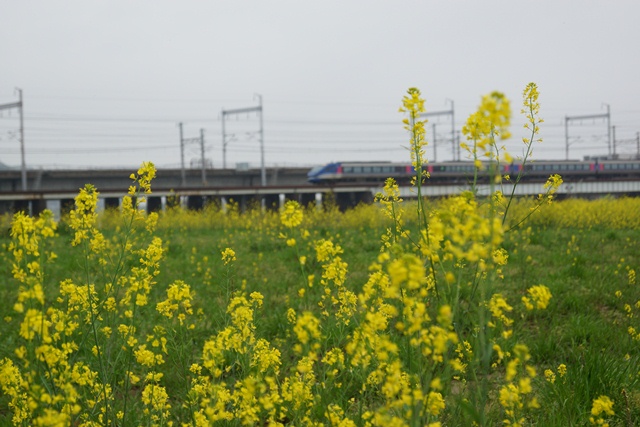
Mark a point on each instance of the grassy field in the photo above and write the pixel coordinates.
(584, 327)
(461, 311)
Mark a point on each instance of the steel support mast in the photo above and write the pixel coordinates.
(453, 128)
(606, 116)
(19, 106)
(259, 111)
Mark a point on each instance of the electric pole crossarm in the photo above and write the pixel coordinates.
(242, 110)
(8, 106)
(588, 117)
(437, 113)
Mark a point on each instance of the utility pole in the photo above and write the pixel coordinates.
(182, 172)
(224, 144)
(453, 130)
(609, 128)
(613, 140)
(263, 172)
(184, 141)
(453, 133)
(236, 111)
(19, 105)
(435, 159)
(22, 156)
(204, 169)
(606, 116)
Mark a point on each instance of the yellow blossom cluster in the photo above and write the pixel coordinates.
(602, 409)
(413, 106)
(539, 297)
(291, 215)
(490, 121)
(179, 298)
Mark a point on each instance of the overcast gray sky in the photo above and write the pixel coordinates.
(106, 82)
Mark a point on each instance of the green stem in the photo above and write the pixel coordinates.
(524, 163)
(423, 222)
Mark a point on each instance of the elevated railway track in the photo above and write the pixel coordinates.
(271, 197)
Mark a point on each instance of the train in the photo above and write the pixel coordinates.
(462, 171)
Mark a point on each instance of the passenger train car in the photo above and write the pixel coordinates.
(377, 172)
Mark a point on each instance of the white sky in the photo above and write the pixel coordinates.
(106, 82)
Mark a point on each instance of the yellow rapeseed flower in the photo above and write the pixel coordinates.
(602, 406)
(539, 297)
(228, 255)
(291, 215)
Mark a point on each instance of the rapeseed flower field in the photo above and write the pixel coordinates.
(467, 310)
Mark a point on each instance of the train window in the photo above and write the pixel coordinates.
(357, 169)
(347, 169)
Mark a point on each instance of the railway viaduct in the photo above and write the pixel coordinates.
(192, 188)
(55, 189)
